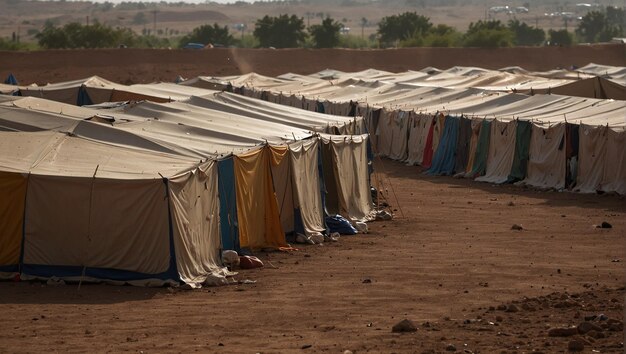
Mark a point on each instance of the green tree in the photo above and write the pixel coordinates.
(283, 31)
(140, 19)
(75, 35)
(402, 27)
(595, 26)
(490, 34)
(560, 37)
(526, 35)
(442, 36)
(53, 37)
(616, 16)
(326, 35)
(209, 34)
(591, 25)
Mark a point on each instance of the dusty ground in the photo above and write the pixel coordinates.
(130, 66)
(447, 265)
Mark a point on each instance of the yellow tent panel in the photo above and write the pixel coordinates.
(257, 207)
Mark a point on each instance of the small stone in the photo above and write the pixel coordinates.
(595, 334)
(511, 204)
(562, 332)
(499, 319)
(606, 225)
(501, 307)
(512, 308)
(220, 344)
(585, 327)
(527, 307)
(404, 326)
(575, 346)
(306, 346)
(450, 348)
(517, 227)
(367, 281)
(347, 352)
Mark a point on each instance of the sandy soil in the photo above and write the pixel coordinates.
(130, 66)
(447, 263)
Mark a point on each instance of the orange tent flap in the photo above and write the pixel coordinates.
(257, 208)
(278, 153)
(12, 199)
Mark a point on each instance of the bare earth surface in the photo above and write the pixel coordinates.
(128, 66)
(447, 265)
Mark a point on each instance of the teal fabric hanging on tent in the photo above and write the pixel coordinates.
(444, 159)
(482, 150)
(83, 97)
(522, 147)
(229, 226)
(463, 144)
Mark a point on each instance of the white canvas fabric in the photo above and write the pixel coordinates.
(419, 127)
(306, 183)
(614, 174)
(196, 229)
(591, 158)
(384, 133)
(546, 164)
(399, 136)
(350, 165)
(501, 152)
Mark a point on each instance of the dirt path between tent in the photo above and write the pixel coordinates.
(446, 265)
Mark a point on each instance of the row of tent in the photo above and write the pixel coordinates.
(149, 193)
(491, 133)
(591, 81)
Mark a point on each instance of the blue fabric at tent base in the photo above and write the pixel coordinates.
(228, 205)
(11, 80)
(337, 223)
(444, 159)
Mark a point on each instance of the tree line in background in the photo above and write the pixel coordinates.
(408, 29)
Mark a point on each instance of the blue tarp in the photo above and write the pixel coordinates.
(445, 156)
(228, 204)
(337, 223)
(83, 97)
(11, 80)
